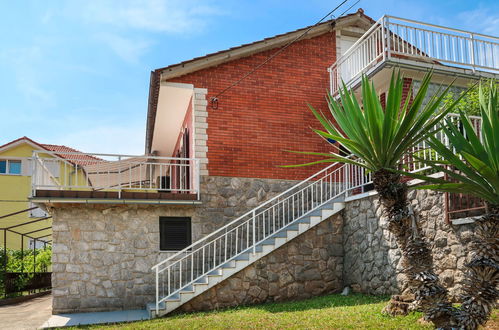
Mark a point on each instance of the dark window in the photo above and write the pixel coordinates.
(174, 233)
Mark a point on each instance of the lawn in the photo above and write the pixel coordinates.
(332, 311)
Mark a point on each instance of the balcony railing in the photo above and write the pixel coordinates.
(81, 175)
(403, 39)
(360, 180)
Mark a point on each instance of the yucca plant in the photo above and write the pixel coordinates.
(471, 162)
(379, 137)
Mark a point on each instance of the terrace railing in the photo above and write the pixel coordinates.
(403, 39)
(113, 173)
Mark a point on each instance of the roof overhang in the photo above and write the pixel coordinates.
(173, 103)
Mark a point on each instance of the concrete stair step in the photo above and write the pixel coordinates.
(174, 297)
(229, 264)
(187, 289)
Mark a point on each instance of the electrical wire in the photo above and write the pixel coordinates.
(214, 99)
(343, 13)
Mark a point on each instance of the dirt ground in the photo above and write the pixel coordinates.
(29, 314)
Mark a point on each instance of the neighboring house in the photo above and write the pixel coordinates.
(16, 172)
(205, 219)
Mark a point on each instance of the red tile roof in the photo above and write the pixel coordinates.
(59, 150)
(79, 158)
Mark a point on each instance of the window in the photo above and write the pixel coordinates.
(9, 166)
(174, 233)
(39, 244)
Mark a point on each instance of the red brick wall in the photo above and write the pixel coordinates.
(405, 91)
(267, 113)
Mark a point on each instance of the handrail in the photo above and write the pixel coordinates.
(244, 215)
(441, 27)
(107, 155)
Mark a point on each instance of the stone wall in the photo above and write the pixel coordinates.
(372, 259)
(103, 254)
(308, 266)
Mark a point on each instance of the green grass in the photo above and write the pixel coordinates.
(332, 311)
(327, 312)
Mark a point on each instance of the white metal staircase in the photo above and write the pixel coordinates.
(248, 238)
(253, 235)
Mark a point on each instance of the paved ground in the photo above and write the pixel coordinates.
(62, 320)
(30, 314)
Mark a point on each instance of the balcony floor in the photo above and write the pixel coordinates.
(111, 197)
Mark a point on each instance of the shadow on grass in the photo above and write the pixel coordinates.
(327, 301)
(320, 302)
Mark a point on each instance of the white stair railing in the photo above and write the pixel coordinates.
(246, 232)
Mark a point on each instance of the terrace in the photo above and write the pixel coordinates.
(67, 177)
(404, 43)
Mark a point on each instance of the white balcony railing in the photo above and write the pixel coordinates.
(394, 38)
(72, 171)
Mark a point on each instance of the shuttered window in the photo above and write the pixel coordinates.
(174, 233)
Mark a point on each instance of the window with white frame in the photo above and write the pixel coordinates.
(10, 166)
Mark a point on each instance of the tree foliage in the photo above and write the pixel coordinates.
(469, 103)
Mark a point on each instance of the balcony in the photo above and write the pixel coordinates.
(108, 178)
(406, 43)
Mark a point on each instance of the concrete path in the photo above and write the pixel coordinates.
(27, 315)
(62, 320)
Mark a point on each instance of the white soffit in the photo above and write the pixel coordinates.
(173, 102)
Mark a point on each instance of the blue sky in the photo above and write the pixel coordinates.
(77, 72)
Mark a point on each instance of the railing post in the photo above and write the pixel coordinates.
(33, 175)
(347, 179)
(472, 50)
(388, 43)
(157, 291)
(383, 38)
(119, 177)
(254, 231)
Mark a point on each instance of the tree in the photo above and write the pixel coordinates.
(470, 101)
(473, 165)
(379, 138)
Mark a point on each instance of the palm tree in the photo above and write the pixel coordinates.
(473, 165)
(379, 138)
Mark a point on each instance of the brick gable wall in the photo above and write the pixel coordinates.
(267, 113)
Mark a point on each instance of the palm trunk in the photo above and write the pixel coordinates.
(430, 296)
(482, 280)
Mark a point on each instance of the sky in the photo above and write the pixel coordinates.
(77, 72)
